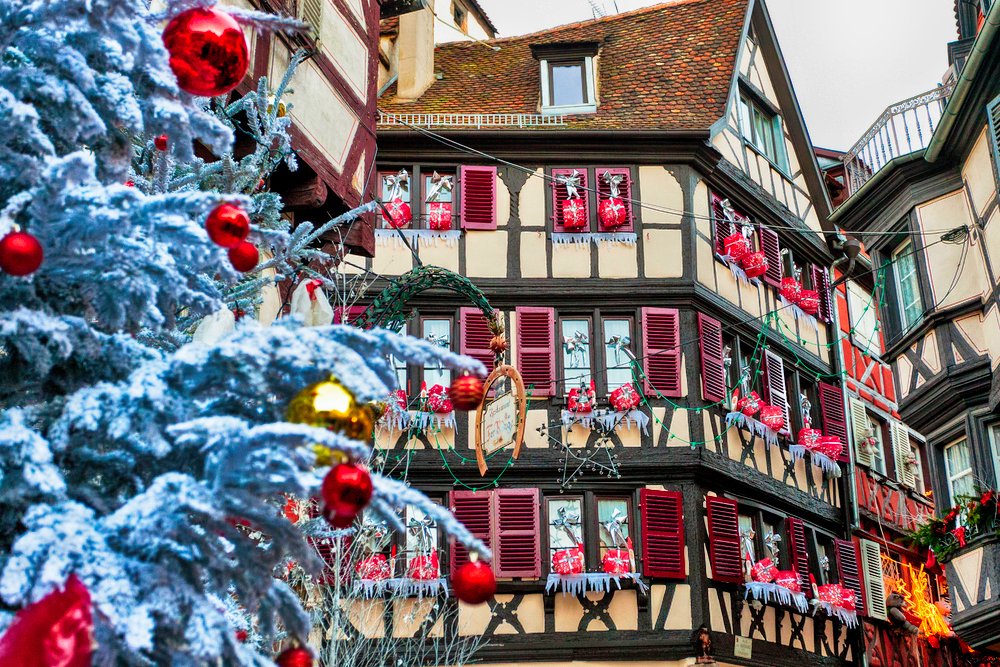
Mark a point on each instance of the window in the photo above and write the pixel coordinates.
(591, 199)
(958, 468)
(567, 78)
(994, 438)
(395, 193)
(826, 559)
(762, 129)
(877, 448)
(438, 332)
(438, 199)
(421, 545)
(864, 319)
(565, 521)
(614, 525)
(907, 284)
(567, 83)
(576, 352)
(617, 344)
(918, 469)
(461, 16)
(581, 354)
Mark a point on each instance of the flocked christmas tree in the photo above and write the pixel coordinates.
(142, 474)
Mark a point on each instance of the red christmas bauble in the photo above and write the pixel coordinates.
(347, 488)
(244, 257)
(294, 657)
(208, 52)
(227, 225)
(160, 142)
(56, 630)
(130, 183)
(474, 583)
(20, 254)
(466, 392)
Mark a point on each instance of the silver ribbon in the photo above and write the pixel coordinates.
(773, 542)
(440, 185)
(576, 346)
(613, 181)
(806, 406)
(422, 530)
(396, 184)
(568, 521)
(614, 526)
(572, 182)
(619, 345)
(374, 535)
(748, 548)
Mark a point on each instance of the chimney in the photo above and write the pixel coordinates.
(415, 49)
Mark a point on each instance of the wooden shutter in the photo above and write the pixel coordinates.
(713, 369)
(775, 391)
(474, 510)
(724, 540)
(516, 550)
(474, 336)
(831, 404)
(536, 355)
(559, 195)
(800, 553)
(662, 516)
(353, 313)
(900, 438)
(771, 246)
(860, 424)
(478, 196)
(820, 277)
(624, 192)
(661, 338)
(720, 226)
(849, 570)
(871, 564)
(993, 115)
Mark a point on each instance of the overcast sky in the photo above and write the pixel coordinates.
(848, 59)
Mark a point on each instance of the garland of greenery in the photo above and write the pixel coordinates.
(972, 516)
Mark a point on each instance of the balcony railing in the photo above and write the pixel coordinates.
(476, 120)
(903, 128)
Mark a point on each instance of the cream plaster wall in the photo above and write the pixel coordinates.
(662, 196)
(533, 255)
(662, 257)
(571, 260)
(486, 254)
(978, 174)
(616, 260)
(944, 259)
(531, 204)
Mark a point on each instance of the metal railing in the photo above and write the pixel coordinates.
(476, 120)
(903, 128)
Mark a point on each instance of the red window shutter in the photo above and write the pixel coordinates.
(559, 195)
(474, 336)
(624, 192)
(720, 226)
(517, 539)
(849, 570)
(661, 338)
(713, 370)
(724, 540)
(831, 404)
(820, 277)
(478, 193)
(536, 355)
(474, 510)
(328, 549)
(353, 313)
(662, 516)
(799, 551)
(775, 391)
(771, 247)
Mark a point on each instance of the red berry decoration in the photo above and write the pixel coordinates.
(160, 142)
(227, 225)
(244, 257)
(130, 183)
(208, 52)
(347, 488)
(466, 392)
(56, 630)
(294, 657)
(20, 254)
(474, 583)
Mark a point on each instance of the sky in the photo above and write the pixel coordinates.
(848, 59)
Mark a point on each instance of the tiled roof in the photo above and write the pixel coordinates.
(664, 67)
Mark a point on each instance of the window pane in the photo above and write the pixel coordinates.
(432, 189)
(437, 332)
(565, 527)
(617, 339)
(918, 471)
(863, 318)
(399, 366)
(907, 284)
(745, 122)
(958, 463)
(878, 456)
(576, 353)
(421, 533)
(747, 533)
(567, 83)
(612, 515)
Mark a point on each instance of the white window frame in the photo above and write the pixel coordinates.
(864, 323)
(994, 436)
(953, 477)
(590, 106)
(908, 247)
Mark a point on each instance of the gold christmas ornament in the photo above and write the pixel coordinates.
(332, 406)
(326, 457)
(281, 106)
(379, 408)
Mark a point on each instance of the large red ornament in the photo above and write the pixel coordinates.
(56, 631)
(438, 401)
(754, 264)
(296, 656)
(244, 257)
(574, 214)
(400, 214)
(227, 225)
(160, 142)
(20, 254)
(439, 215)
(466, 392)
(474, 583)
(208, 52)
(580, 400)
(790, 290)
(346, 491)
(612, 213)
(809, 301)
(772, 417)
(829, 446)
(736, 246)
(809, 438)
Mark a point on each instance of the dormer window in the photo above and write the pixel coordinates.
(568, 80)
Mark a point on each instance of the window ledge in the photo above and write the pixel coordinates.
(569, 110)
(781, 170)
(600, 582)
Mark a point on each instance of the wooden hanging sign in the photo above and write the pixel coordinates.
(500, 420)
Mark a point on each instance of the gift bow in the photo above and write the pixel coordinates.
(422, 530)
(374, 535)
(440, 185)
(312, 286)
(613, 181)
(773, 542)
(572, 182)
(614, 527)
(618, 344)
(396, 183)
(567, 521)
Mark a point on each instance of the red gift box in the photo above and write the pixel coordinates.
(617, 561)
(612, 213)
(749, 404)
(400, 397)
(809, 301)
(624, 398)
(423, 568)
(809, 437)
(763, 570)
(574, 214)
(400, 214)
(772, 417)
(829, 446)
(837, 595)
(788, 579)
(736, 246)
(790, 290)
(438, 401)
(581, 401)
(568, 561)
(754, 264)
(374, 568)
(439, 215)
